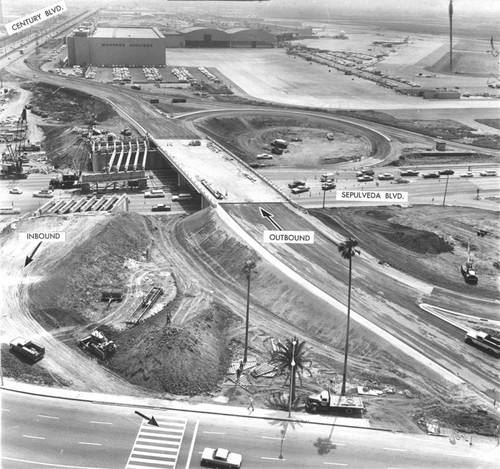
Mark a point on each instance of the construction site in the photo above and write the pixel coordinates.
(156, 305)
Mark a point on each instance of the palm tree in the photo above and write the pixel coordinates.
(348, 250)
(290, 358)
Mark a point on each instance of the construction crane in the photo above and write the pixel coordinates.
(11, 164)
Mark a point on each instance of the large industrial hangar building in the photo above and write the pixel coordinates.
(237, 37)
(110, 47)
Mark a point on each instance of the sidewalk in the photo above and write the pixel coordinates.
(206, 408)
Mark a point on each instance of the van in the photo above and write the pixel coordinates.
(280, 143)
(154, 193)
(327, 176)
(185, 196)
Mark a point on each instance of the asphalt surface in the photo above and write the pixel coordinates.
(102, 434)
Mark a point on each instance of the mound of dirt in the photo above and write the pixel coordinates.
(71, 290)
(439, 236)
(187, 360)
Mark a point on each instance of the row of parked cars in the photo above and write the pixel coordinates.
(366, 175)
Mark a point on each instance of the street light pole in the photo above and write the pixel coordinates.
(446, 188)
(294, 341)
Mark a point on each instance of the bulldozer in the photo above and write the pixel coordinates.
(97, 344)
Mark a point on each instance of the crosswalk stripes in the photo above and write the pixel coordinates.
(157, 447)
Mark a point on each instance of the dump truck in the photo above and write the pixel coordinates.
(483, 341)
(27, 349)
(97, 344)
(327, 402)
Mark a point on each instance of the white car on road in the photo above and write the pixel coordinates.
(16, 190)
(44, 193)
(220, 458)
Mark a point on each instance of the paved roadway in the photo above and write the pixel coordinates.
(46, 432)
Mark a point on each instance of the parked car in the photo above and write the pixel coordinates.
(365, 178)
(328, 185)
(277, 151)
(293, 184)
(16, 190)
(409, 172)
(296, 139)
(467, 175)
(161, 208)
(446, 172)
(220, 458)
(385, 176)
(264, 156)
(431, 175)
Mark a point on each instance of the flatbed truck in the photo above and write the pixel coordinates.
(327, 402)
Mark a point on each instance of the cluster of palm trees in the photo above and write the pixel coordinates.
(290, 358)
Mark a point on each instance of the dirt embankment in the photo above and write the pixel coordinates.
(426, 242)
(70, 113)
(443, 129)
(308, 145)
(190, 352)
(71, 289)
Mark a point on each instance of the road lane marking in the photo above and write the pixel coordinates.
(35, 437)
(273, 459)
(86, 443)
(50, 464)
(48, 417)
(396, 449)
(101, 423)
(459, 455)
(215, 433)
(335, 463)
(191, 448)
(157, 446)
(6, 410)
(273, 438)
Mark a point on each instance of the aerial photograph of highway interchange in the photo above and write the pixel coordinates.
(258, 234)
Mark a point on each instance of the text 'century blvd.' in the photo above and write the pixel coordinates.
(41, 15)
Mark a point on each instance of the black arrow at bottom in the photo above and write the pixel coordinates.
(151, 421)
(29, 259)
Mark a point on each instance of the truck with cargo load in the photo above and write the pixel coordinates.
(484, 341)
(327, 402)
(27, 349)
